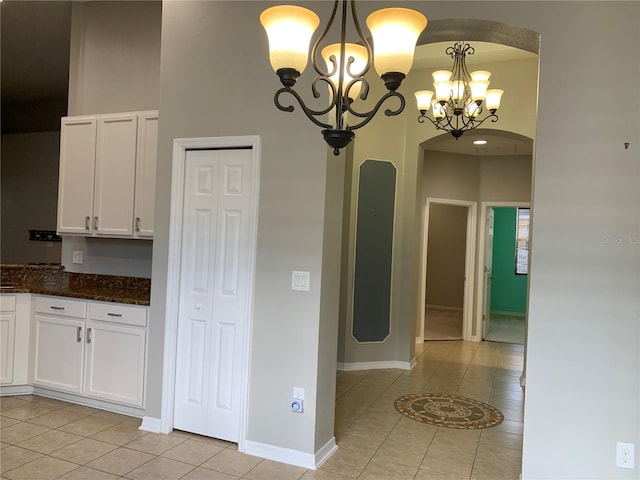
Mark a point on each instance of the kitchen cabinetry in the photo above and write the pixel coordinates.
(107, 175)
(14, 338)
(95, 349)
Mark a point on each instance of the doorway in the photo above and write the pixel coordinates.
(210, 286)
(448, 259)
(503, 282)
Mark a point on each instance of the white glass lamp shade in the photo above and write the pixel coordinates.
(457, 89)
(395, 32)
(480, 75)
(472, 110)
(423, 99)
(443, 90)
(493, 97)
(358, 53)
(441, 76)
(289, 29)
(438, 110)
(479, 89)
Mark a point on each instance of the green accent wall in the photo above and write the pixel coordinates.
(508, 290)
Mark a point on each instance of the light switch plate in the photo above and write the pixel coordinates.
(300, 281)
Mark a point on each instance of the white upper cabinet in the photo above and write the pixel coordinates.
(146, 174)
(107, 175)
(115, 175)
(77, 163)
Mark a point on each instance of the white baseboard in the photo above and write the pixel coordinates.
(8, 390)
(89, 402)
(351, 366)
(445, 307)
(150, 424)
(510, 314)
(289, 456)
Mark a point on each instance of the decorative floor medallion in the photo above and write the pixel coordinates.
(449, 411)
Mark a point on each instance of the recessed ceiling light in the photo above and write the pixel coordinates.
(479, 142)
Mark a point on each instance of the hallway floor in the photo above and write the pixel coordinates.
(41, 438)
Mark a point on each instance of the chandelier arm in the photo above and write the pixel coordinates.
(364, 39)
(316, 45)
(316, 93)
(311, 114)
(369, 115)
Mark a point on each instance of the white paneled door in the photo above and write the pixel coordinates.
(213, 294)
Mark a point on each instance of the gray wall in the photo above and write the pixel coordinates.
(29, 190)
(583, 315)
(114, 67)
(209, 89)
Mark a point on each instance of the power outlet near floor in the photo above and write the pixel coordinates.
(625, 455)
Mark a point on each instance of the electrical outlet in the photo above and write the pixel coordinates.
(298, 393)
(625, 455)
(77, 257)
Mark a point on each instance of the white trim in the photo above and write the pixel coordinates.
(469, 264)
(150, 424)
(323, 454)
(290, 456)
(89, 402)
(480, 273)
(446, 307)
(180, 147)
(352, 366)
(8, 390)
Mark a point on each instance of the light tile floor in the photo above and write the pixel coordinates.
(41, 438)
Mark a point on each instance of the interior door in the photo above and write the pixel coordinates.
(488, 276)
(214, 289)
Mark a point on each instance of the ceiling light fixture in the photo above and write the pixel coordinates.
(394, 33)
(460, 97)
(479, 142)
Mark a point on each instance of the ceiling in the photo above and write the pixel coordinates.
(35, 38)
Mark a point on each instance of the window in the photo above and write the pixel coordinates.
(522, 241)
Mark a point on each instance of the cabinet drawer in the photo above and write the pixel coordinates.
(7, 303)
(118, 313)
(61, 306)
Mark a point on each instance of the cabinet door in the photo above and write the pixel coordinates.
(115, 175)
(75, 185)
(115, 361)
(59, 353)
(146, 173)
(7, 339)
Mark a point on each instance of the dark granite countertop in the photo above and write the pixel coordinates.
(53, 280)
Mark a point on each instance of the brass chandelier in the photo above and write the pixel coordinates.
(394, 32)
(461, 98)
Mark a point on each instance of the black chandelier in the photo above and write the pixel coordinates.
(460, 97)
(394, 32)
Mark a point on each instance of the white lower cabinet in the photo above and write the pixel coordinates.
(59, 353)
(15, 317)
(7, 337)
(99, 354)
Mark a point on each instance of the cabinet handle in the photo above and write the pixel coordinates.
(88, 335)
(114, 314)
(86, 223)
(55, 307)
(95, 222)
(137, 224)
(79, 334)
